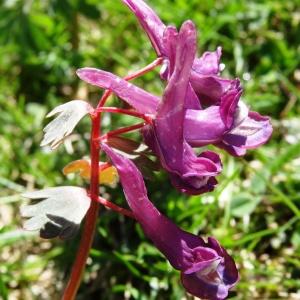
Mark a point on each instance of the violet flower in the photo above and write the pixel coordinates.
(204, 79)
(207, 271)
(189, 173)
(244, 131)
(229, 125)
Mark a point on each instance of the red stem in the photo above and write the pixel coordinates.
(90, 219)
(112, 206)
(121, 130)
(136, 74)
(127, 112)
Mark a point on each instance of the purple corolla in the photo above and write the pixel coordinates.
(189, 173)
(204, 73)
(244, 130)
(229, 125)
(198, 107)
(207, 271)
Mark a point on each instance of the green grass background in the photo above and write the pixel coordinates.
(254, 211)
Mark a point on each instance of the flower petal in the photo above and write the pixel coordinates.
(232, 150)
(165, 235)
(206, 269)
(187, 170)
(228, 106)
(213, 284)
(139, 99)
(203, 127)
(69, 114)
(150, 22)
(208, 63)
(210, 88)
(60, 212)
(254, 131)
(169, 41)
(169, 120)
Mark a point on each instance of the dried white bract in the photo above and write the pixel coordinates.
(59, 214)
(69, 114)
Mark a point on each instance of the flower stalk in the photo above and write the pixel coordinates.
(135, 74)
(91, 217)
(122, 130)
(127, 112)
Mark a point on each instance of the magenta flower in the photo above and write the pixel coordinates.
(204, 74)
(229, 125)
(189, 173)
(207, 271)
(234, 130)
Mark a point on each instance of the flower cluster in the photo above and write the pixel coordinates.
(196, 109)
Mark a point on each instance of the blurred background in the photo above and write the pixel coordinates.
(254, 211)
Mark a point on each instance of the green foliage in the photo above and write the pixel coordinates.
(255, 210)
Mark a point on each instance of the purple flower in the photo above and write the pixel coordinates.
(207, 271)
(204, 79)
(189, 173)
(226, 122)
(229, 125)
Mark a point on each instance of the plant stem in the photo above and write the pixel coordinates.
(128, 112)
(112, 206)
(91, 217)
(121, 131)
(135, 74)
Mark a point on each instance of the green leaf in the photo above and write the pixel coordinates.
(243, 204)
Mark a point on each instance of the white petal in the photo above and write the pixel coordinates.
(64, 206)
(69, 114)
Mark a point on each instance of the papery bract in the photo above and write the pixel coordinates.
(69, 114)
(59, 213)
(207, 271)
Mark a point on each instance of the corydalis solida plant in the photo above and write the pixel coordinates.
(197, 108)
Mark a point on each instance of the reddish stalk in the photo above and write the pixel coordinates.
(90, 219)
(104, 166)
(127, 112)
(121, 131)
(118, 209)
(136, 74)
